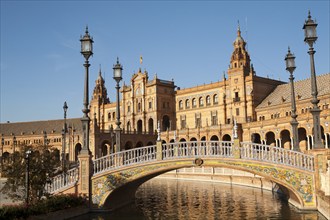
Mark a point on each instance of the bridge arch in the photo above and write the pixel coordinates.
(116, 189)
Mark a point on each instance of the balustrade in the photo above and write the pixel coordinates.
(63, 180)
(193, 149)
(125, 158)
(277, 155)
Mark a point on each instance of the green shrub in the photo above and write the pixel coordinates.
(43, 206)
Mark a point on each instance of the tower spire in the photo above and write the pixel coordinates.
(238, 29)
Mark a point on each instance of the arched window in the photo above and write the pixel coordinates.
(128, 107)
(113, 115)
(201, 102)
(139, 107)
(187, 103)
(109, 116)
(194, 103)
(208, 100)
(215, 99)
(180, 104)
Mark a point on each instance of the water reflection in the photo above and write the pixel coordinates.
(177, 199)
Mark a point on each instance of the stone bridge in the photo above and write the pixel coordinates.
(112, 180)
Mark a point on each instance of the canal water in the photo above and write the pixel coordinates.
(181, 199)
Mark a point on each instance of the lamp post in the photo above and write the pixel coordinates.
(310, 38)
(290, 67)
(2, 143)
(14, 147)
(117, 76)
(64, 130)
(112, 142)
(27, 176)
(86, 51)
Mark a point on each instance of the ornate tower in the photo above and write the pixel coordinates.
(240, 59)
(239, 73)
(98, 102)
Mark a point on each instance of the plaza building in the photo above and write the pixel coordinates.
(259, 106)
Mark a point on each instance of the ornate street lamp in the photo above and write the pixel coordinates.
(310, 38)
(86, 51)
(290, 67)
(14, 147)
(117, 76)
(2, 143)
(64, 130)
(112, 142)
(27, 176)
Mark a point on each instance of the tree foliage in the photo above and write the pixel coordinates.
(43, 162)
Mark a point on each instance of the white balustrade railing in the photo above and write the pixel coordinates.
(276, 155)
(63, 180)
(125, 158)
(195, 149)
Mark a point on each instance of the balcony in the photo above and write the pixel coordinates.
(236, 99)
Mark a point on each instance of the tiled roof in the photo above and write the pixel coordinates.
(37, 127)
(302, 89)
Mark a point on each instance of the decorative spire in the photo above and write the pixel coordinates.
(238, 29)
(100, 71)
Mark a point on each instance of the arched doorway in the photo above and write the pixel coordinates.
(302, 136)
(270, 138)
(128, 145)
(56, 154)
(104, 149)
(139, 144)
(172, 141)
(255, 138)
(77, 150)
(322, 135)
(214, 138)
(285, 139)
(139, 126)
(203, 138)
(226, 137)
(193, 139)
(5, 157)
(128, 126)
(150, 143)
(151, 126)
(182, 140)
(166, 123)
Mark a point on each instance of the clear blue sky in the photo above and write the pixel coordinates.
(189, 41)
